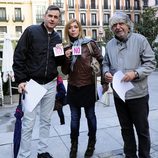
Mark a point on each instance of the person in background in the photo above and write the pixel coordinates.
(81, 84)
(60, 99)
(34, 59)
(130, 53)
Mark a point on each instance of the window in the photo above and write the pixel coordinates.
(106, 19)
(61, 20)
(136, 4)
(18, 29)
(105, 4)
(40, 10)
(3, 14)
(117, 4)
(71, 16)
(94, 34)
(60, 33)
(136, 18)
(145, 2)
(58, 3)
(17, 13)
(127, 4)
(84, 32)
(129, 15)
(93, 19)
(93, 4)
(71, 3)
(156, 2)
(82, 4)
(83, 18)
(3, 29)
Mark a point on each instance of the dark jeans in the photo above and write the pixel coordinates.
(75, 121)
(134, 112)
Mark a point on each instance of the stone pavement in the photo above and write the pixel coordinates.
(109, 141)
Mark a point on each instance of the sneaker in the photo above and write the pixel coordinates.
(44, 155)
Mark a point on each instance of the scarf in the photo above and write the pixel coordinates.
(78, 42)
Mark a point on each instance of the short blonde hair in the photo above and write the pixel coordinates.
(66, 31)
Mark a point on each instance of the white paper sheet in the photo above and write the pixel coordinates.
(99, 90)
(121, 87)
(34, 94)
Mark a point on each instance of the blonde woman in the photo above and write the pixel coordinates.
(81, 84)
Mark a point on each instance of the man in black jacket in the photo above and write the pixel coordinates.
(34, 59)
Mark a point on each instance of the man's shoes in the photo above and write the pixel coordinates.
(44, 155)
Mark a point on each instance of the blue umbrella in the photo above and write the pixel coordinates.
(18, 125)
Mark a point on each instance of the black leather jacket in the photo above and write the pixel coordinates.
(34, 55)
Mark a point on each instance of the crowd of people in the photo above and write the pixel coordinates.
(35, 58)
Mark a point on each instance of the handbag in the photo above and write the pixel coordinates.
(94, 62)
(96, 68)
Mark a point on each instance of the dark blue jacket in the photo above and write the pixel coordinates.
(34, 55)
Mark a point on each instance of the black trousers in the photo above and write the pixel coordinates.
(134, 113)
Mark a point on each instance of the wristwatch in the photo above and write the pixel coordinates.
(136, 74)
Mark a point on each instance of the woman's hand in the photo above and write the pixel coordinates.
(68, 53)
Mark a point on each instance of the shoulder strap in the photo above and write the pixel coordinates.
(90, 48)
(95, 77)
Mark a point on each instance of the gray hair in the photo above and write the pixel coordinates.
(120, 17)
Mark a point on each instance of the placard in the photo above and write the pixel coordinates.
(76, 50)
(58, 50)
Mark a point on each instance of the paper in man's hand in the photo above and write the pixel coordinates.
(121, 87)
(34, 94)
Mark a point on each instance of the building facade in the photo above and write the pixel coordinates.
(16, 15)
(153, 3)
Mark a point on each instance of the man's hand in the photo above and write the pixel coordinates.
(21, 87)
(129, 76)
(108, 77)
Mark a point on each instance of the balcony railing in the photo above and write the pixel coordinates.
(128, 7)
(18, 18)
(105, 23)
(4, 19)
(94, 7)
(83, 6)
(39, 20)
(137, 7)
(94, 23)
(59, 4)
(83, 23)
(61, 23)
